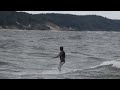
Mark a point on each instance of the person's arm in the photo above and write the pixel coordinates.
(57, 56)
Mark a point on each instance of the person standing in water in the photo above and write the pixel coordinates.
(62, 58)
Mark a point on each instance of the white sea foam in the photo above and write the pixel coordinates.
(57, 71)
(115, 64)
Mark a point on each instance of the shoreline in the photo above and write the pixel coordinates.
(57, 30)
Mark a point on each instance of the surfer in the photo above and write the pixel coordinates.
(62, 58)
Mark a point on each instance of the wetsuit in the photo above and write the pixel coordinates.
(62, 59)
(62, 56)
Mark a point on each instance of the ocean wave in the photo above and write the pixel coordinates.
(10, 44)
(108, 65)
(114, 64)
(76, 37)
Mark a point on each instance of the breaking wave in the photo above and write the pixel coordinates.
(113, 64)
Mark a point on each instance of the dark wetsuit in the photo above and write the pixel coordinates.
(62, 59)
(62, 56)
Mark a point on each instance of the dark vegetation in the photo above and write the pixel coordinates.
(22, 20)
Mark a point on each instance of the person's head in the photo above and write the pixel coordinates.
(61, 48)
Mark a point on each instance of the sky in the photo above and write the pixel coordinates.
(108, 14)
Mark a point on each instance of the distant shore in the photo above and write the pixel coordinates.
(56, 29)
(22, 30)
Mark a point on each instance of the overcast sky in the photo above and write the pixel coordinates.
(108, 14)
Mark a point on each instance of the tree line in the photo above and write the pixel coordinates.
(22, 20)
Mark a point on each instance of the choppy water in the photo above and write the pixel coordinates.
(89, 55)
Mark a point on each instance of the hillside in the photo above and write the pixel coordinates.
(22, 20)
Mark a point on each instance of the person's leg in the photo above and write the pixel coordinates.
(60, 65)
